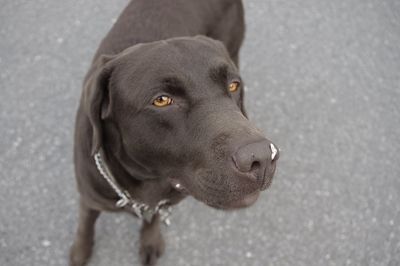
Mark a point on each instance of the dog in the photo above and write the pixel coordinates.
(162, 117)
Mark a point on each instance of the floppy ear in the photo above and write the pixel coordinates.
(96, 102)
(220, 45)
(241, 102)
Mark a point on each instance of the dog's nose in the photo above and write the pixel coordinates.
(257, 158)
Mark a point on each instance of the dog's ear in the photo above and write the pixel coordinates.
(241, 102)
(221, 47)
(96, 100)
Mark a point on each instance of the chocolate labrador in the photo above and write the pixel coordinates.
(161, 117)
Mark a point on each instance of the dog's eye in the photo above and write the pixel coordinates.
(162, 101)
(234, 86)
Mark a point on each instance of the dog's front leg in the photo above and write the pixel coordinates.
(83, 243)
(151, 241)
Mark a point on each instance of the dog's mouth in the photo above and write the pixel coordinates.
(246, 201)
(224, 202)
(243, 202)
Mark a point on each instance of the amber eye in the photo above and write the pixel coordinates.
(233, 86)
(162, 101)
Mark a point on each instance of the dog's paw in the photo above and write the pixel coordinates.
(151, 251)
(79, 255)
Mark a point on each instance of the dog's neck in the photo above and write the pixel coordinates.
(149, 191)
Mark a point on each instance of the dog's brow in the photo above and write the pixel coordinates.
(174, 86)
(219, 73)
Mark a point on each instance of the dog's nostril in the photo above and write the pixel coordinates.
(255, 166)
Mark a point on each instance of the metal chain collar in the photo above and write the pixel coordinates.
(142, 210)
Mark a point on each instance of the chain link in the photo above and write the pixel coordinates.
(142, 210)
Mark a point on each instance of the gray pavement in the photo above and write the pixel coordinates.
(323, 81)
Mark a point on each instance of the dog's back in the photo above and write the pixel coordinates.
(152, 20)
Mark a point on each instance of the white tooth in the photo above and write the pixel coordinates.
(274, 151)
(178, 185)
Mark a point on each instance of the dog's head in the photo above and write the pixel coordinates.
(174, 109)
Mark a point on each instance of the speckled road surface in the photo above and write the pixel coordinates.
(323, 81)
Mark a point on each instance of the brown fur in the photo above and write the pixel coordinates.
(203, 141)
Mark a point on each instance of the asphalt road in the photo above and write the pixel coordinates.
(323, 81)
